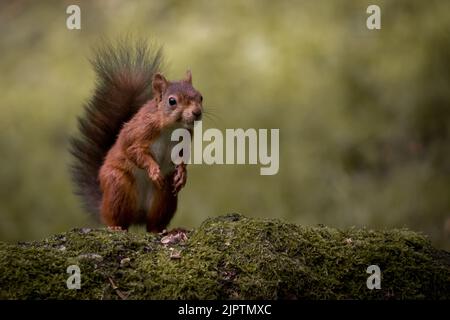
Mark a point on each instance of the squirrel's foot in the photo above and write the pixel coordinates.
(180, 178)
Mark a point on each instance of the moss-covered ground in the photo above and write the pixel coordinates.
(229, 257)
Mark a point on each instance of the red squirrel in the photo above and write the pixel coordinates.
(123, 168)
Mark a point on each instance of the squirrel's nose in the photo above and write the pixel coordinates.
(197, 113)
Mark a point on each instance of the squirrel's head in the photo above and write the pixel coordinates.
(179, 101)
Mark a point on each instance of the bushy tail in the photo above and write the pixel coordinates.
(124, 73)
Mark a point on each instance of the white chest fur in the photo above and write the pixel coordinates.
(145, 190)
(161, 150)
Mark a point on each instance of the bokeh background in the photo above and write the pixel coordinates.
(364, 116)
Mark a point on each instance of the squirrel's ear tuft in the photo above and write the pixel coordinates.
(188, 77)
(159, 84)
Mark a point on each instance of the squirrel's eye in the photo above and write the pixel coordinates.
(172, 101)
(201, 98)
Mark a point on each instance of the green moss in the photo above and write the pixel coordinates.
(230, 257)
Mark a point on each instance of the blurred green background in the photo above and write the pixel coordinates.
(364, 116)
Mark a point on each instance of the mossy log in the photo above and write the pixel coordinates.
(229, 257)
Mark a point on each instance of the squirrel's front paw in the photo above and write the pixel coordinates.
(155, 174)
(179, 179)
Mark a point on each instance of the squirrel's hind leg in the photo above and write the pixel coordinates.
(163, 207)
(119, 200)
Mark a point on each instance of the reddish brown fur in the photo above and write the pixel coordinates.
(119, 204)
